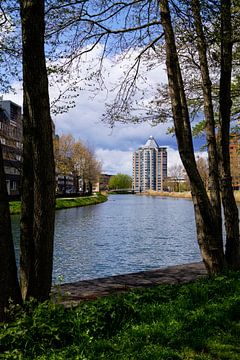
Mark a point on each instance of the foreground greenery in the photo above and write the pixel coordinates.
(64, 203)
(193, 321)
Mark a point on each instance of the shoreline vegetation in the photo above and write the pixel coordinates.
(181, 195)
(198, 320)
(65, 203)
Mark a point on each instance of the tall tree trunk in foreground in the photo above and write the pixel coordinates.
(206, 222)
(9, 286)
(229, 204)
(214, 187)
(38, 189)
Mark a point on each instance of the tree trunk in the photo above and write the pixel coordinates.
(9, 286)
(84, 187)
(64, 184)
(214, 188)
(38, 195)
(229, 204)
(210, 241)
(90, 188)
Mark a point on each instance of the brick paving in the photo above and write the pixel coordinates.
(70, 294)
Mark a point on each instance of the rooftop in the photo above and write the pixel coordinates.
(151, 143)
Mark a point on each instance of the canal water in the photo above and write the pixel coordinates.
(128, 233)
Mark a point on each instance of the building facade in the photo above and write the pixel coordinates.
(11, 141)
(234, 149)
(149, 166)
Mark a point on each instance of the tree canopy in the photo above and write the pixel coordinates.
(120, 181)
(74, 157)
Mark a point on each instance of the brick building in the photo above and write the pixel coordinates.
(11, 140)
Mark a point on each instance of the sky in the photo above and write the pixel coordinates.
(113, 147)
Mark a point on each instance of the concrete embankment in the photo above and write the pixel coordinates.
(71, 294)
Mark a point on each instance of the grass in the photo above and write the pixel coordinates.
(64, 203)
(198, 321)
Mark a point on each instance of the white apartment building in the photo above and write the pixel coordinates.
(149, 166)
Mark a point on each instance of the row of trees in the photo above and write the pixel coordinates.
(73, 157)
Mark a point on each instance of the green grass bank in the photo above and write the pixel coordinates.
(199, 320)
(65, 203)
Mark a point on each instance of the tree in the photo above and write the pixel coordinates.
(86, 167)
(38, 185)
(225, 103)
(73, 157)
(120, 181)
(9, 285)
(63, 152)
(209, 238)
(8, 271)
(177, 174)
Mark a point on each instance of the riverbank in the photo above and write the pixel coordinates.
(65, 203)
(198, 320)
(181, 195)
(71, 294)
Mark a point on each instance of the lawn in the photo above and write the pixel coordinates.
(64, 203)
(198, 321)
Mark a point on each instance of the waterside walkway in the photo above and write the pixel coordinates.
(71, 294)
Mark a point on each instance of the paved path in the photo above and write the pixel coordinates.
(71, 294)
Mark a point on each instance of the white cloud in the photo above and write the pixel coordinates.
(115, 161)
(173, 157)
(113, 147)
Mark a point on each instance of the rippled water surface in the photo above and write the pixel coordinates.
(127, 233)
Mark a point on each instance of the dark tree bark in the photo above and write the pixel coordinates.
(206, 222)
(214, 186)
(90, 188)
(232, 253)
(9, 286)
(38, 188)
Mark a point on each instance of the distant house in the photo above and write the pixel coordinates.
(149, 166)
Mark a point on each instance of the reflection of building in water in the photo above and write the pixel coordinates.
(11, 140)
(149, 166)
(234, 148)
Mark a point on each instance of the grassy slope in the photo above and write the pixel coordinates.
(198, 321)
(65, 203)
